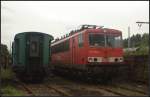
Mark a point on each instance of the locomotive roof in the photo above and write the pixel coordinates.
(107, 29)
(33, 32)
(113, 31)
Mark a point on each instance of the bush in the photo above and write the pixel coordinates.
(7, 74)
(140, 51)
(8, 89)
(11, 91)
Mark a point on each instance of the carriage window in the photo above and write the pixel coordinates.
(96, 40)
(34, 46)
(80, 40)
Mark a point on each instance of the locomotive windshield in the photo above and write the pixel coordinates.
(113, 41)
(96, 40)
(102, 40)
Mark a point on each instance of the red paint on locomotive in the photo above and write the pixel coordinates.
(91, 46)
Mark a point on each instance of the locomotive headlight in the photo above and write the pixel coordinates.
(94, 59)
(121, 59)
(115, 59)
(90, 59)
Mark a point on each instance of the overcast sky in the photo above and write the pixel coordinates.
(59, 17)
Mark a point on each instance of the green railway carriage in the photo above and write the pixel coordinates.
(31, 54)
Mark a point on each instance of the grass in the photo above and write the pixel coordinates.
(11, 91)
(7, 74)
(7, 88)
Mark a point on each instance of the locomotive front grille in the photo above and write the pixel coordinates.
(102, 59)
(115, 59)
(94, 59)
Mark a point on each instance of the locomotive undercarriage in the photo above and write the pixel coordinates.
(97, 72)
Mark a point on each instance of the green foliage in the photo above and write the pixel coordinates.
(8, 89)
(4, 50)
(145, 41)
(5, 56)
(11, 91)
(140, 51)
(7, 74)
(138, 41)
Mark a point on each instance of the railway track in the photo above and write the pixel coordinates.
(116, 90)
(75, 89)
(23, 86)
(63, 87)
(103, 90)
(40, 89)
(112, 91)
(123, 91)
(60, 91)
(130, 88)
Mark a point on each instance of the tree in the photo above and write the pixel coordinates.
(4, 56)
(139, 41)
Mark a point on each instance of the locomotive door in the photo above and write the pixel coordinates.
(73, 50)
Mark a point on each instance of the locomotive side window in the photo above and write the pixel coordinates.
(67, 45)
(96, 39)
(80, 40)
(61, 47)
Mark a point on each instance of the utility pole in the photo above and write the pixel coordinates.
(143, 22)
(10, 47)
(140, 23)
(129, 37)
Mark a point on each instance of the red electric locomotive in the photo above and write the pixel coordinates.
(91, 49)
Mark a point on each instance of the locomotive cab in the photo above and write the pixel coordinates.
(104, 47)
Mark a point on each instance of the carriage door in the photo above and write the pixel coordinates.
(34, 47)
(34, 52)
